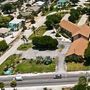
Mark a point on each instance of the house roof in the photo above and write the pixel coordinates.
(78, 47)
(16, 21)
(84, 30)
(4, 30)
(69, 26)
(62, 0)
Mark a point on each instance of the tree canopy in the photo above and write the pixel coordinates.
(51, 20)
(4, 20)
(74, 15)
(82, 84)
(45, 42)
(7, 8)
(3, 45)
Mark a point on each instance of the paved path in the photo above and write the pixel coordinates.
(66, 16)
(54, 87)
(13, 49)
(83, 20)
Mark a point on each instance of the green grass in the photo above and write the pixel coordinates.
(39, 32)
(9, 61)
(77, 67)
(25, 47)
(27, 67)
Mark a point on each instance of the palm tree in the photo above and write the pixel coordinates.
(33, 29)
(2, 86)
(13, 84)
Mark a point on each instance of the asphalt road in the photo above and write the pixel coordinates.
(43, 80)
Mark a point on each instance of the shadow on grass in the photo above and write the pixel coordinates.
(43, 49)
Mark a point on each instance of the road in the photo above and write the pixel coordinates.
(43, 80)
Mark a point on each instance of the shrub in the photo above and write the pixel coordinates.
(3, 45)
(74, 58)
(87, 55)
(47, 60)
(45, 42)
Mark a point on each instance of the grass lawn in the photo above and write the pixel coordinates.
(27, 67)
(9, 62)
(39, 32)
(24, 47)
(77, 67)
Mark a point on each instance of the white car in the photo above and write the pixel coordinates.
(18, 78)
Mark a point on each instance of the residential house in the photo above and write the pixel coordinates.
(80, 37)
(78, 47)
(16, 24)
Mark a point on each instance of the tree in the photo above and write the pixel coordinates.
(82, 84)
(32, 20)
(13, 84)
(74, 15)
(3, 45)
(7, 8)
(87, 55)
(52, 20)
(33, 29)
(2, 85)
(45, 42)
(74, 1)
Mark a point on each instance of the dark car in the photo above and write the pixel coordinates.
(58, 76)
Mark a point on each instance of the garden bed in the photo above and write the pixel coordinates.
(25, 46)
(39, 32)
(22, 65)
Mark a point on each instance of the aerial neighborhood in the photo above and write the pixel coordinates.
(45, 44)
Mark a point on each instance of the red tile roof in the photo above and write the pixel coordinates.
(84, 30)
(78, 47)
(69, 26)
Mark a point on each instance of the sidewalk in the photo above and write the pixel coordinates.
(66, 16)
(83, 20)
(51, 87)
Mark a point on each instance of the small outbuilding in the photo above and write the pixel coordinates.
(4, 32)
(16, 24)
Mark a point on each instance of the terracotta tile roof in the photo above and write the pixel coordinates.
(69, 26)
(84, 30)
(78, 47)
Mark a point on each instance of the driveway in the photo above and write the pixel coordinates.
(61, 66)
